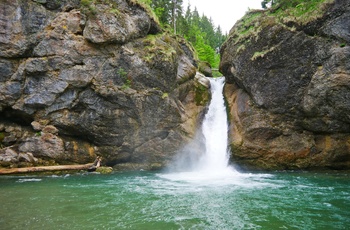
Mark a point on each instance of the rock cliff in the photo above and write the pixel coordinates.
(288, 75)
(86, 78)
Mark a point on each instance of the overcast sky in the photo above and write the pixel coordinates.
(223, 12)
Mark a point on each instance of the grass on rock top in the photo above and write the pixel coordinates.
(90, 6)
(300, 12)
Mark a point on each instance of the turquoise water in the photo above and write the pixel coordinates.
(150, 200)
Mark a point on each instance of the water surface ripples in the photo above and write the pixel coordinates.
(147, 200)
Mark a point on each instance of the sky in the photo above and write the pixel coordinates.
(223, 12)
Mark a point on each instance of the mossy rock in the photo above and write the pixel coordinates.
(139, 166)
(202, 95)
(205, 68)
(104, 170)
(2, 135)
(156, 166)
(290, 15)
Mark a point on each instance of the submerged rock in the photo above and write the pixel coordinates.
(288, 89)
(99, 79)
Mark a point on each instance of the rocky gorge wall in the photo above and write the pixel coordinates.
(81, 79)
(288, 88)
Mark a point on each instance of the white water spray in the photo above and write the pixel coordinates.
(212, 165)
(215, 129)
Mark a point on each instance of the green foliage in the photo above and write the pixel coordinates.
(114, 11)
(281, 11)
(167, 11)
(2, 136)
(201, 96)
(146, 4)
(85, 3)
(296, 8)
(104, 170)
(165, 95)
(198, 30)
(301, 11)
(286, 4)
(206, 39)
(247, 28)
(88, 6)
(124, 76)
(283, 3)
(261, 54)
(122, 73)
(159, 48)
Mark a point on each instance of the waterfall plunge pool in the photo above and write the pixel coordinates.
(156, 200)
(208, 194)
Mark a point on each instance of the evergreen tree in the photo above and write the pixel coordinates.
(208, 28)
(162, 8)
(199, 30)
(176, 13)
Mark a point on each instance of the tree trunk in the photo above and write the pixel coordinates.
(45, 169)
(173, 15)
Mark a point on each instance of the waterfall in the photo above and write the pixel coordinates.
(206, 158)
(215, 131)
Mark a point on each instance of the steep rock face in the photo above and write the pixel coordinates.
(102, 74)
(289, 90)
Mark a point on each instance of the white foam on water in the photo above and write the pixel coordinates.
(29, 180)
(217, 179)
(212, 167)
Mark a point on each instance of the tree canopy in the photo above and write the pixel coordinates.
(197, 29)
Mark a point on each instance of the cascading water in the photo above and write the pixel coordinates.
(209, 195)
(215, 129)
(212, 165)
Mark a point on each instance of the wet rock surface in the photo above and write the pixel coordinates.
(78, 81)
(289, 90)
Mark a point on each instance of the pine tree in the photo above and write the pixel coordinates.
(199, 30)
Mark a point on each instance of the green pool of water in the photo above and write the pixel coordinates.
(147, 200)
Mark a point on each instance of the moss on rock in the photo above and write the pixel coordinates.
(104, 170)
